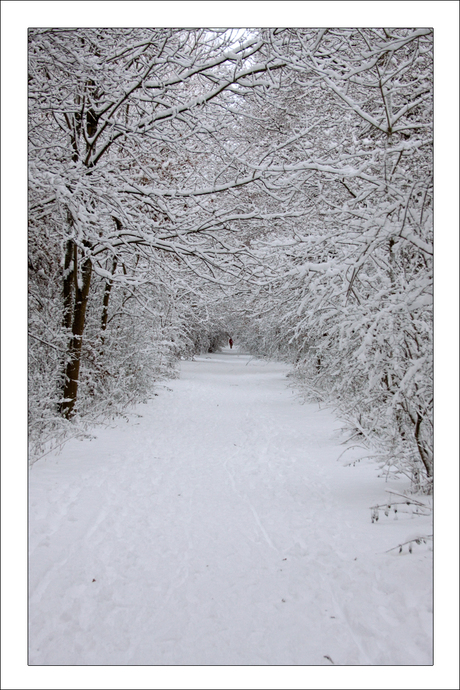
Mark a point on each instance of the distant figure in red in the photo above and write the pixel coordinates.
(230, 342)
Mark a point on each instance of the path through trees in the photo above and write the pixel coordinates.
(221, 524)
(275, 183)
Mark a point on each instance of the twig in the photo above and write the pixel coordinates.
(58, 445)
(59, 349)
(408, 498)
(398, 503)
(417, 540)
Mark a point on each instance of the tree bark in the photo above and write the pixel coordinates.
(72, 373)
(423, 452)
(105, 301)
(69, 269)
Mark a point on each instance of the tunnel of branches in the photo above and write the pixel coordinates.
(272, 186)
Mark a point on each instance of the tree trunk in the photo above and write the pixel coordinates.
(105, 301)
(68, 283)
(74, 349)
(423, 452)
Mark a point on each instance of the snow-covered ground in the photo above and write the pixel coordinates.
(216, 526)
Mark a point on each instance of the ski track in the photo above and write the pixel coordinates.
(218, 528)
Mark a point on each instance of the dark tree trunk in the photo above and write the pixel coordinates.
(68, 283)
(107, 290)
(72, 373)
(423, 452)
(105, 301)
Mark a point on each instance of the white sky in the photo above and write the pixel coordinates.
(16, 18)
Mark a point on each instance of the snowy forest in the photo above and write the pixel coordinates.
(272, 185)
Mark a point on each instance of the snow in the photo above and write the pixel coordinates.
(217, 524)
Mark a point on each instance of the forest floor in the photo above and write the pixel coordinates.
(217, 524)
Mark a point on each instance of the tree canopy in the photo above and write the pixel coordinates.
(275, 185)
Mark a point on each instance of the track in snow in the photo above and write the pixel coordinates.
(219, 528)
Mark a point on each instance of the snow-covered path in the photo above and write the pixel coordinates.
(219, 528)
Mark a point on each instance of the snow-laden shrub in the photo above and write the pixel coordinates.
(120, 363)
(376, 370)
